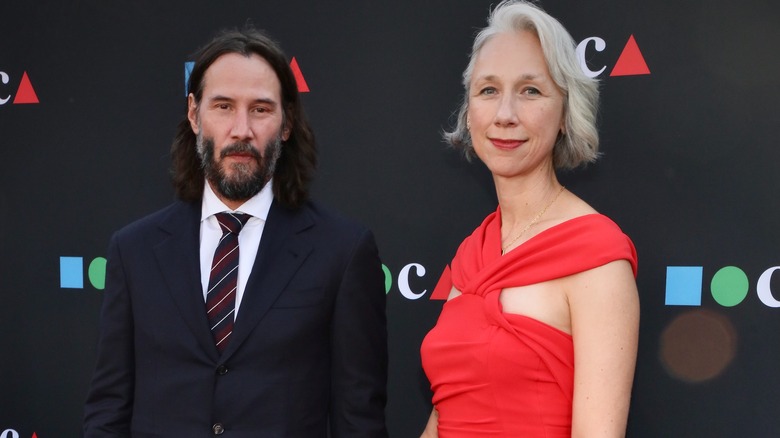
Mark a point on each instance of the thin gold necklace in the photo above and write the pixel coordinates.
(533, 221)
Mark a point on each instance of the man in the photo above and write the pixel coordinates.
(295, 343)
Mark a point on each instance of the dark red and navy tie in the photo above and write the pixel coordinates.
(223, 280)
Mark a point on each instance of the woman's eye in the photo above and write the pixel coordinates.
(488, 91)
(531, 91)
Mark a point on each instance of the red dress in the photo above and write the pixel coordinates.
(495, 374)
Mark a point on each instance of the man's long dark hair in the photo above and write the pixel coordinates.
(298, 161)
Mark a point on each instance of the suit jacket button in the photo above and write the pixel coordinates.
(218, 429)
(222, 370)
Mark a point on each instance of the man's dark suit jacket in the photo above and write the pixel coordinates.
(307, 357)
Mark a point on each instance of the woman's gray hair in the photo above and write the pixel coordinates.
(580, 140)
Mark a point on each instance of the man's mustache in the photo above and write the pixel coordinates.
(240, 148)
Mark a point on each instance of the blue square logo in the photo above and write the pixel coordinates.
(188, 66)
(72, 272)
(683, 285)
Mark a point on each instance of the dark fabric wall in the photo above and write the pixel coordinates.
(90, 93)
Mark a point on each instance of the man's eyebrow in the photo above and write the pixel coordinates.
(263, 100)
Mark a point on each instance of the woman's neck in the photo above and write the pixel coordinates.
(522, 197)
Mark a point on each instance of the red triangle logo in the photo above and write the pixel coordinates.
(631, 61)
(34, 435)
(25, 93)
(443, 286)
(303, 87)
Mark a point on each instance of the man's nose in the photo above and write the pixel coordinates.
(241, 129)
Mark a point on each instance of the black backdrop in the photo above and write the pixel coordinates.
(689, 171)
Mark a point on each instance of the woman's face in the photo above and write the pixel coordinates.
(515, 109)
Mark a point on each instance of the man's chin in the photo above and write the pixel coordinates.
(240, 168)
(237, 189)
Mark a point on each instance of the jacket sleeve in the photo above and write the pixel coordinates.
(359, 347)
(109, 405)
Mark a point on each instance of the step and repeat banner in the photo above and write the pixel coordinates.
(91, 91)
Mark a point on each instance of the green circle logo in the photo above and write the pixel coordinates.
(97, 273)
(388, 279)
(729, 286)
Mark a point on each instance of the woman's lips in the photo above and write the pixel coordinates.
(506, 144)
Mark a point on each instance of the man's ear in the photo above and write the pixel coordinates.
(192, 113)
(286, 127)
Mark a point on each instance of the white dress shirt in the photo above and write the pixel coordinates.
(248, 239)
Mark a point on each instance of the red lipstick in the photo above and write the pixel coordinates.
(506, 144)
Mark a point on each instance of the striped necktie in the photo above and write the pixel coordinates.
(223, 279)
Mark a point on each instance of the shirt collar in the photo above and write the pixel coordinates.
(257, 206)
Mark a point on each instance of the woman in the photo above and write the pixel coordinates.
(538, 337)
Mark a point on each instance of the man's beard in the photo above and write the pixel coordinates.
(245, 180)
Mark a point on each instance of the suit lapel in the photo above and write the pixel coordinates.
(178, 256)
(282, 251)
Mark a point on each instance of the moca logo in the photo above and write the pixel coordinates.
(729, 286)
(412, 269)
(303, 87)
(25, 93)
(630, 63)
(72, 274)
(410, 280)
(10, 433)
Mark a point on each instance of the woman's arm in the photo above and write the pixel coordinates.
(431, 429)
(604, 306)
